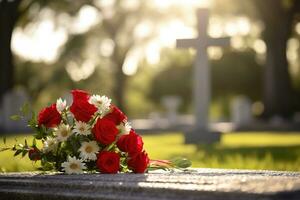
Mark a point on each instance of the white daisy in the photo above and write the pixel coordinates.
(63, 132)
(61, 105)
(82, 128)
(88, 150)
(73, 166)
(101, 102)
(50, 145)
(124, 128)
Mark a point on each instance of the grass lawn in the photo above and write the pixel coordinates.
(239, 150)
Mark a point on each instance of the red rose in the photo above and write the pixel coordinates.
(80, 95)
(81, 108)
(139, 162)
(105, 131)
(116, 115)
(108, 162)
(49, 116)
(131, 143)
(34, 154)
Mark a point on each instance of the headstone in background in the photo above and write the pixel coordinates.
(155, 118)
(296, 117)
(241, 111)
(11, 103)
(277, 121)
(171, 103)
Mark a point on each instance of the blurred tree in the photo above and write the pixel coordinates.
(137, 93)
(120, 28)
(279, 17)
(296, 76)
(9, 15)
(117, 24)
(173, 79)
(237, 73)
(13, 13)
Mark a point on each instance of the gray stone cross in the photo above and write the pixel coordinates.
(201, 88)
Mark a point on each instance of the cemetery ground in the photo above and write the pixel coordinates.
(252, 150)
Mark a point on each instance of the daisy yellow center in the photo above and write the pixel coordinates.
(81, 128)
(64, 133)
(88, 149)
(99, 102)
(73, 166)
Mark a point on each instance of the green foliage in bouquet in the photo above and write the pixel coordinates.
(90, 135)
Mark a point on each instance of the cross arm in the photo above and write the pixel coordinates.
(223, 42)
(186, 43)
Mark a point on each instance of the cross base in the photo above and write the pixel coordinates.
(201, 135)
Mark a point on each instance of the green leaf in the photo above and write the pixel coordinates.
(41, 132)
(110, 147)
(32, 123)
(181, 162)
(156, 168)
(15, 117)
(34, 142)
(38, 136)
(4, 140)
(25, 109)
(26, 145)
(47, 166)
(4, 149)
(24, 152)
(18, 152)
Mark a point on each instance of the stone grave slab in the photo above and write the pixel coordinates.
(209, 184)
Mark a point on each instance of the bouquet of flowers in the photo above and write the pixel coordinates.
(90, 135)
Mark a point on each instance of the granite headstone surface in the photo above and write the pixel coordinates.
(194, 184)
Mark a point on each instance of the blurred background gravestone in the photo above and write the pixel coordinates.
(171, 104)
(241, 111)
(11, 104)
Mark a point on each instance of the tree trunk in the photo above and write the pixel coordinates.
(8, 17)
(278, 95)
